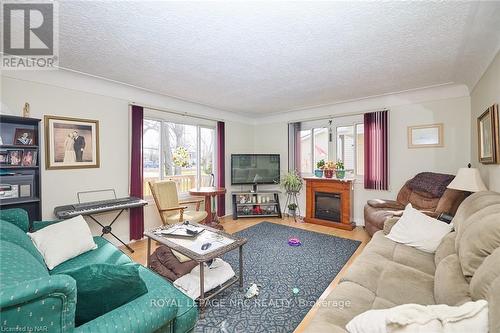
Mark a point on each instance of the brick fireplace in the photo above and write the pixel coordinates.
(329, 202)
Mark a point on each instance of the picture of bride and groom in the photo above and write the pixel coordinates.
(71, 143)
(74, 145)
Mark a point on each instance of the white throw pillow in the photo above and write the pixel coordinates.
(63, 240)
(415, 318)
(418, 230)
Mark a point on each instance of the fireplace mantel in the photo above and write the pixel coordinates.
(332, 186)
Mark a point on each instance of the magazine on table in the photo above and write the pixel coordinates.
(182, 230)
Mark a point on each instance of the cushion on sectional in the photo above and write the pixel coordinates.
(400, 253)
(346, 301)
(391, 281)
(119, 284)
(106, 253)
(450, 286)
(401, 284)
(16, 216)
(486, 274)
(446, 247)
(480, 236)
(418, 230)
(149, 312)
(469, 207)
(63, 241)
(494, 305)
(18, 265)
(11, 233)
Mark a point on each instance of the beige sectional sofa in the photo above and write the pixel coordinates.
(466, 266)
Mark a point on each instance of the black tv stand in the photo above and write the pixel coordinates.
(256, 204)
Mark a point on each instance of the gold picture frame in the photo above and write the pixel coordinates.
(426, 136)
(71, 143)
(488, 136)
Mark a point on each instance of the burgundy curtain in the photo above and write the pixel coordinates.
(136, 179)
(221, 170)
(376, 150)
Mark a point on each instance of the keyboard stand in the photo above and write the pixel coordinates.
(108, 229)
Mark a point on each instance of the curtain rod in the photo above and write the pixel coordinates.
(330, 116)
(184, 114)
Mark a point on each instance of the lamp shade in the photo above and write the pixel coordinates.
(468, 179)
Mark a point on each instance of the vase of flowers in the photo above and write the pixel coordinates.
(329, 169)
(181, 157)
(339, 170)
(319, 168)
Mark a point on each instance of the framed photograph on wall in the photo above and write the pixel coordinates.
(488, 136)
(71, 143)
(426, 136)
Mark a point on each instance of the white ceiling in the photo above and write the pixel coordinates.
(265, 57)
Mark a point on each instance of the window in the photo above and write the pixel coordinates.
(345, 146)
(360, 149)
(151, 135)
(184, 153)
(305, 151)
(342, 139)
(320, 144)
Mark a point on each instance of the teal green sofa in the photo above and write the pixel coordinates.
(34, 299)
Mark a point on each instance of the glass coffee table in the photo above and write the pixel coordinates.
(221, 243)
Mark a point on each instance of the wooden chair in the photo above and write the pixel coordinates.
(170, 208)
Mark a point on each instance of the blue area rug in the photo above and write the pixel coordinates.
(279, 268)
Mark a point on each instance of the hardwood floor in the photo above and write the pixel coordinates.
(232, 226)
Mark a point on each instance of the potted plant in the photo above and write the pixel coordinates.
(339, 170)
(291, 182)
(319, 168)
(328, 169)
(292, 209)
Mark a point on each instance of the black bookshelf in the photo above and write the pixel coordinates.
(20, 170)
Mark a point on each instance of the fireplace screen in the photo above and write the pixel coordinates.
(327, 206)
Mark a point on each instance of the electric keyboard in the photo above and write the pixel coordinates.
(95, 207)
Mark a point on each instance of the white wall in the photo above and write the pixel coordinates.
(448, 105)
(486, 93)
(68, 94)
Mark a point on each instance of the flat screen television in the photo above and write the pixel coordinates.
(255, 169)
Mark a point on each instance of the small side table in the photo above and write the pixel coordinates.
(208, 193)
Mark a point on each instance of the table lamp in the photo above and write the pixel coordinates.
(469, 180)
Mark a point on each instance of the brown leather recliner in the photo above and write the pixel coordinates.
(378, 210)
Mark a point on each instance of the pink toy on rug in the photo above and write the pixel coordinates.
(294, 242)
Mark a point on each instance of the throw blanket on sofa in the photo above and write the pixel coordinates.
(415, 318)
(429, 182)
